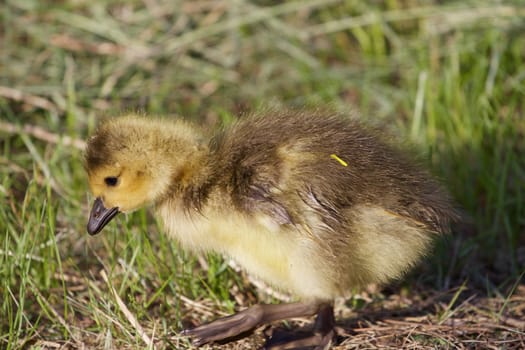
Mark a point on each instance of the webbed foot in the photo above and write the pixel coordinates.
(257, 315)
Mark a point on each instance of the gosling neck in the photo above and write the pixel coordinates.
(191, 180)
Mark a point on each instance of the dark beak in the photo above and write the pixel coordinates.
(100, 216)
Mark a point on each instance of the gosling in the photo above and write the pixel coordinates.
(313, 203)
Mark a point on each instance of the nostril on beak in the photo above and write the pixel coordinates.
(100, 216)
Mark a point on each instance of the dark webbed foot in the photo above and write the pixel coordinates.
(255, 316)
(320, 338)
(226, 327)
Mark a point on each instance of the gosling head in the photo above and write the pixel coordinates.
(131, 162)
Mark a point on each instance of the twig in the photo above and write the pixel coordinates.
(513, 322)
(70, 43)
(36, 101)
(42, 134)
(204, 309)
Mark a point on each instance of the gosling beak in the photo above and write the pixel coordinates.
(100, 216)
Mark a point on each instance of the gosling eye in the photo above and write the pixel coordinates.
(111, 181)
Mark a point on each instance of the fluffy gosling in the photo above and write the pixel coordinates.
(312, 203)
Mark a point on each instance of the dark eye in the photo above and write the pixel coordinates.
(111, 181)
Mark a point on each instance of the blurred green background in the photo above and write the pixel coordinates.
(446, 76)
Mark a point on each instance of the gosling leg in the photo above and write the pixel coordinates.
(320, 338)
(258, 315)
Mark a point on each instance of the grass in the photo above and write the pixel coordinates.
(447, 76)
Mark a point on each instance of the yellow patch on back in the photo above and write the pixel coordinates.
(336, 157)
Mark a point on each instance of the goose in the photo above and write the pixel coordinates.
(314, 203)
